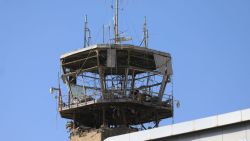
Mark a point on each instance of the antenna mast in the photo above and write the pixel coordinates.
(86, 30)
(145, 31)
(103, 34)
(116, 21)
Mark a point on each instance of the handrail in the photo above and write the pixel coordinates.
(141, 98)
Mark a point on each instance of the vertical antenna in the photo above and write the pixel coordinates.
(85, 30)
(103, 32)
(172, 91)
(116, 21)
(145, 31)
(109, 35)
(89, 36)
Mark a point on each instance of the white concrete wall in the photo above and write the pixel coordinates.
(236, 132)
(234, 126)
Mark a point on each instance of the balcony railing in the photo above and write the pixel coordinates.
(72, 101)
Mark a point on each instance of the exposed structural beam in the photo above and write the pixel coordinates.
(139, 57)
(102, 82)
(78, 71)
(145, 76)
(89, 77)
(126, 81)
(101, 76)
(79, 60)
(133, 80)
(149, 86)
(92, 88)
(145, 70)
(99, 89)
(163, 85)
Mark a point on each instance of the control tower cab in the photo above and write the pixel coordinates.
(113, 85)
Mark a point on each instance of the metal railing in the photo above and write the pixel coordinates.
(68, 102)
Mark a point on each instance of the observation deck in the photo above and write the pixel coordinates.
(116, 84)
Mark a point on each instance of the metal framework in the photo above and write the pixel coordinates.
(115, 85)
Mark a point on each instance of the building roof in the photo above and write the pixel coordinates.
(186, 127)
(121, 46)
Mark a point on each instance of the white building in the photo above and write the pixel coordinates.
(234, 126)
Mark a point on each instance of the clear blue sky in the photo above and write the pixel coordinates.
(208, 39)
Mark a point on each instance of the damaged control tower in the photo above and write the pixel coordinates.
(114, 88)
